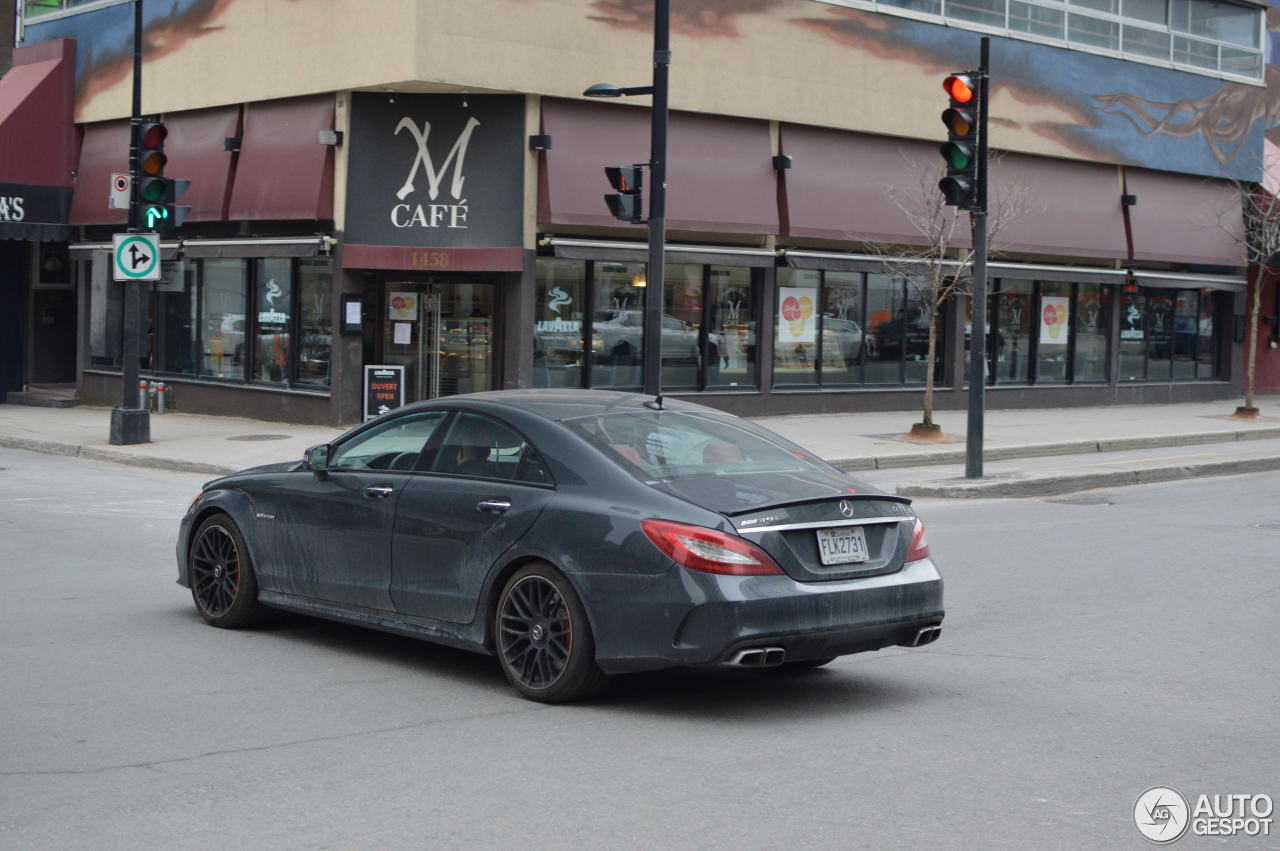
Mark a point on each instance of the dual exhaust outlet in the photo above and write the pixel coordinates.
(927, 635)
(759, 657)
(771, 657)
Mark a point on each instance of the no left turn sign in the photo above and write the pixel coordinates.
(136, 256)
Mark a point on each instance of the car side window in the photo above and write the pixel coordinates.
(485, 448)
(394, 445)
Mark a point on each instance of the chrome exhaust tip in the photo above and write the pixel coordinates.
(759, 657)
(927, 635)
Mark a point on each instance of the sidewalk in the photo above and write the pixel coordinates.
(1026, 452)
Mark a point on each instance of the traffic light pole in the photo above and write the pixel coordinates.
(656, 273)
(131, 422)
(978, 303)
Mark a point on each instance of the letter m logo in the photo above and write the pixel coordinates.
(457, 154)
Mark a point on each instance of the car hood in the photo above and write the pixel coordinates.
(738, 493)
(278, 467)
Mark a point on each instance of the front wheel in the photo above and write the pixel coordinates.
(543, 639)
(223, 584)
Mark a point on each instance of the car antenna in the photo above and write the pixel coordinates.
(656, 404)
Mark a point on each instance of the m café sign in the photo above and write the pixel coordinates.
(435, 170)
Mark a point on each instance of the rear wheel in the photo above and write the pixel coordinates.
(543, 639)
(223, 584)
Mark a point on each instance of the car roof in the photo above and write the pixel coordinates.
(563, 404)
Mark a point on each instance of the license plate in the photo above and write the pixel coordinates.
(842, 545)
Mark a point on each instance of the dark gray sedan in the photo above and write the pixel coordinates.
(573, 534)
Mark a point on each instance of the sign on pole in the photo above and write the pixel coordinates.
(136, 256)
(118, 199)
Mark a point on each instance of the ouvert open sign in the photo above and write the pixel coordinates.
(383, 389)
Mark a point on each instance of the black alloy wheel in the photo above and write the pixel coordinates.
(223, 584)
(543, 639)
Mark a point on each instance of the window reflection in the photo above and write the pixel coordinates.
(617, 321)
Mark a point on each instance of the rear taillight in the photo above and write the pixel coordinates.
(919, 544)
(709, 551)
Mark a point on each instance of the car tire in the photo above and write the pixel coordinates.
(223, 584)
(543, 639)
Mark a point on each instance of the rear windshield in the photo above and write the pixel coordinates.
(671, 445)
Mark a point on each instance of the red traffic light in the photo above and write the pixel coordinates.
(152, 135)
(960, 87)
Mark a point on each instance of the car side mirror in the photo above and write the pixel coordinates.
(316, 459)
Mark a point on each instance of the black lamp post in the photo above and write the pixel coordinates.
(658, 190)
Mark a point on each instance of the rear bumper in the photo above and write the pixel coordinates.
(717, 616)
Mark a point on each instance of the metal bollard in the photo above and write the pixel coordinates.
(143, 389)
(160, 394)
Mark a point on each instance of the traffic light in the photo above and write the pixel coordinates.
(627, 204)
(157, 193)
(960, 186)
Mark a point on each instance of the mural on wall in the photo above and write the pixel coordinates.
(1084, 105)
(1212, 128)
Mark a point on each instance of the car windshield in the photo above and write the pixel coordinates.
(672, 445)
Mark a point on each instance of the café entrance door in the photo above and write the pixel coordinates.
(443, 335)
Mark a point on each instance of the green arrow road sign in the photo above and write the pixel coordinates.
(136, 256)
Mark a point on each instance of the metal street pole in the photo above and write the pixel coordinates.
(656, 282)
(978, 305)
(131, 422)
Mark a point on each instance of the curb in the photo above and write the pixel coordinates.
(1022, 485)
(115, 456)
(1036, 450)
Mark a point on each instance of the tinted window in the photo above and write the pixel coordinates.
(485, 448)
(393, 445)
(672, 445)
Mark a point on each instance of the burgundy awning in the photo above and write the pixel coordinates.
(720, 176)
(1069, 208)
(104, 151)
(196, 152)
(37, 141)
(842, 185)
(1185, 219)
(284, 171)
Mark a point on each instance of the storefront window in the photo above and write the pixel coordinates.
(223, 310)
(887, 326)
(558, 323)
(315, 320)
(843, 343)
(731, 328)
(618, 293)
(272, 309)
(106, 312)
(1186, 319)
(1160, 335)
(1207, 337)
(173, 319)
(1013, 330)
(1054, 324)
(1133, 334)
(681, 324)
(796, 327)
(1091, 332)
(915, 330)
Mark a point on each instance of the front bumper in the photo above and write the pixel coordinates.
(690, 618)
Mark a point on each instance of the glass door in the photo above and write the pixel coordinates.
(442, 333)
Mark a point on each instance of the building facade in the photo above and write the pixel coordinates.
(419, 185)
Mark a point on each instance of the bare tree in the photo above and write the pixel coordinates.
(941, 265)
(1260, 241)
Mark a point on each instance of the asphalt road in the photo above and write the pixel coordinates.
(1095, 645)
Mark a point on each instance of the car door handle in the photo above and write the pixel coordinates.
(379, 491)
(493, 506)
